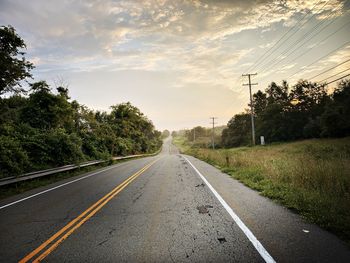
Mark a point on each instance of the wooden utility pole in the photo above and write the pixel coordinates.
(251, 103)
(213, 134)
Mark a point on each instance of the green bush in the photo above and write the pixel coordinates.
(13, 159)
(63, 148)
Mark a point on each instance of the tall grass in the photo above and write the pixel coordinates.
(311, 176)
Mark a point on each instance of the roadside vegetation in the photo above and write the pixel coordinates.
(303, 111)
(201, 136)
(283, 113)
(41, 127)
(311, 177)
(306, 162)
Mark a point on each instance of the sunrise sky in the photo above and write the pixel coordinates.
(180, 62)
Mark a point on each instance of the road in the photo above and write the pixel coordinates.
(167, 208)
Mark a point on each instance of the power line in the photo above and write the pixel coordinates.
(257, 62)
(337, 79)
(334, 75)
(286, 50)
(329, 69)
(324, 39)
(295, 46)
(320, 9)
(306, 51)
(319, 59)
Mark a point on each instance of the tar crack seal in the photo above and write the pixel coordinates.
(203, 209)
(222, 240)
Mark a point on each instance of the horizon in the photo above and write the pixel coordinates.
(179, 63)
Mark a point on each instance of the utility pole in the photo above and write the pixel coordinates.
(194, 134)
(213, 134)
(251, 103)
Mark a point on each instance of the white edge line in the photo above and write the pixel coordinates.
(59, 186)
(256, 243)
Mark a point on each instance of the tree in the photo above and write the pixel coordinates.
(309, 97)
(165, 134)
(272, 112)
(13, 159)
(308, 103)
(238, 131)
(335, 121)
(278, 94)
(46, 110)
(13, 66)
(130, 123)
(45, 129)
(196, 132)
(260, 102)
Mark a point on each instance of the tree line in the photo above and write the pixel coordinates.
(41, 127)
(306, 110)
(201, 136)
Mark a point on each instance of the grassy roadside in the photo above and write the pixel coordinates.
(311, 177)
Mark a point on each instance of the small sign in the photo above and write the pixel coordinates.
(262, 140)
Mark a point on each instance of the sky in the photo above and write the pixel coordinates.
(180, 62)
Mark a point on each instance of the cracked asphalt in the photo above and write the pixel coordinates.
(167, 214)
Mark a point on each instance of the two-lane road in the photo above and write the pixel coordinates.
(157, 209)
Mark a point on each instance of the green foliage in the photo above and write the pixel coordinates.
(306, 111)
(46, 129)
(335, 121)
(238, 131)
(13, 65)
(309, 176)
(197, 132)
(201, 136)
(46, 110)
(65, 148)
(129, 122)
(13, 159)
(165, 134)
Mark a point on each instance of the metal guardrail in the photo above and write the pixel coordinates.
(33, 175)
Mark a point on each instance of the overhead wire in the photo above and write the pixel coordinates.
(307, 50)
(334, 75)
(303, 41)
(298, 29)
(314, 62)
(329, 69)
(277, 43)
(336, 79)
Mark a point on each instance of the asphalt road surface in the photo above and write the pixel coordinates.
(167, 208)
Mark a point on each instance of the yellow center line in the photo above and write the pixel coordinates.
(84, 216)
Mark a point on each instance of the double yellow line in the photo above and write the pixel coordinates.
(67, 230)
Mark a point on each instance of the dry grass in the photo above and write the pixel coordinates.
(311, 177)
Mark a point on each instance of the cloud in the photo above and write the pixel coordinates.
(90, 27)
(206, 43)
